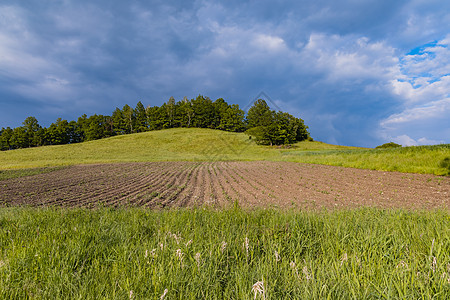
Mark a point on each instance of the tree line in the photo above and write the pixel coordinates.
(266, 126)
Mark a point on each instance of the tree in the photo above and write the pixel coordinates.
(220, 109)
(118, 120)
(203, 112)
(170, 110)
(152, 116)
(75, 133)
(99, 127)
(186, 112)
(274, 128)
(233, 119)
(32, 128)
(259, 114)
(260, 123)
(5, 138)
(58, 133)
(19, 138)
(82, 125)
(141, 118)
(128, 114)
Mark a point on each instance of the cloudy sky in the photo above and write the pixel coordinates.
(359, 72)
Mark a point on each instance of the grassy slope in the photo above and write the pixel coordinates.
(206, 144)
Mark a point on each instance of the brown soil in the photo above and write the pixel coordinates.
(263, 184)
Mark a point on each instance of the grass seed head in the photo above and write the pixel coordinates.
(223, 246)
(180, 254)
(164, 294)
(246, 245)
(434, 264)
(292, 265)
(344, 258)
(308, 276)
(198, 258)
(277, 256)
(258, 289)
(402, 264)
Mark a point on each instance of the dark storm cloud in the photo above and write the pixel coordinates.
(340, 65)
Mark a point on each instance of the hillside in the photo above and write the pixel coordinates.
(193, 144)
(162, 145)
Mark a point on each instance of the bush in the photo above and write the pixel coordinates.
(445, 163)
(388, 145)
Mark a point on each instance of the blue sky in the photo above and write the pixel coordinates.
(358, 72)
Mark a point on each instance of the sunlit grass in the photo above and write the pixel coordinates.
(229, 254)
(193, 144)
(420, 159)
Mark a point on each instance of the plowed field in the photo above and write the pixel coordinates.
(268, 184)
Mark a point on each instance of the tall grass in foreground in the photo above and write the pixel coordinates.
(231, 254)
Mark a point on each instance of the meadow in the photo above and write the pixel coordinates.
(193, 144)
(223, 254)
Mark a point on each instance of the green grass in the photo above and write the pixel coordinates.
(205, 144)
(208, 254)
(419, 159)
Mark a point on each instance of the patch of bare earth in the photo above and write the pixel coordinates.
(253, 184)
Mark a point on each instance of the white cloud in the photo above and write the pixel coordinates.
(423, 90)
(350, 57)
(270, 43)
(406, 140)
(432, 111)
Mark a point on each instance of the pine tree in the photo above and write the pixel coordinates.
(129, 118)
(141, 118)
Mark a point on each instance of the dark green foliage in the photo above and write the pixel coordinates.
(274, 128)
(58, 133)
(445, 163)
(19, 138)
(5, 138)
(140, 118)
(204, 112)
(268, 127)
(232, 119)
(129, 118)
(388, 145)
(32, 131)
(259, 114)
(118, 121)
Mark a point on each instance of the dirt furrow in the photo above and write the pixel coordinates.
(111, 187)
(186, 197)
(261, 183)
(151, 185)
(170, 197)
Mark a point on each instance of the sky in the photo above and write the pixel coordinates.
(358, 72)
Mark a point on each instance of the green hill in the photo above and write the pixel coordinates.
(195, 144)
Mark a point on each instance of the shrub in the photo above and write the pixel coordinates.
(388, 145)
(445, 163)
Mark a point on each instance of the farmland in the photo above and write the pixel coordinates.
(220, 184)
